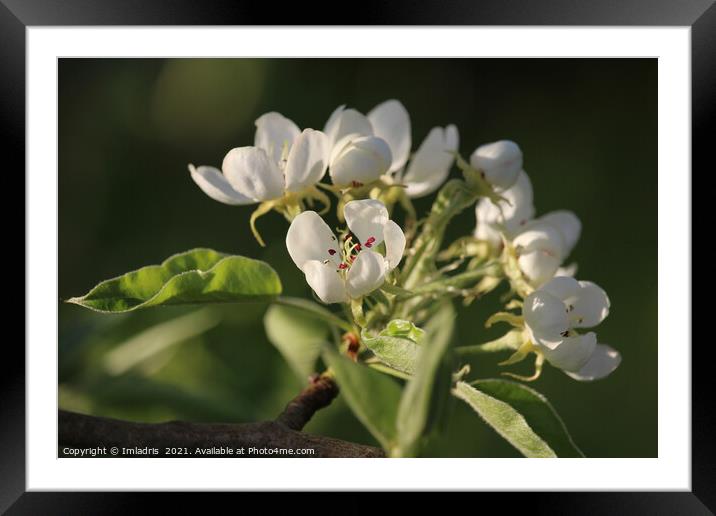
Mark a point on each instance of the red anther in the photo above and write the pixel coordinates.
(353, 258)
(356, 184)
(343, 266)
(357, 247)
(369, 242)
(331, 252)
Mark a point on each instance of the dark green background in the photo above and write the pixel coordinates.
(128, 128)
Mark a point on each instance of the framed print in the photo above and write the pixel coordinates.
(415, 252)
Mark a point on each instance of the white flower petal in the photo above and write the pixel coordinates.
(250, 172)
(394, 244)
(309, 238)
(562, 287)
(325, 281)
(363, 160)
(307, 161)
(366, 220)
(538, 266)
(539, 250)
(366, 274)
(515, 212)
(568, 270)
(347, 122)
(332, 123)
(602, 363)
(519, 208)
(391, 122)
(501, 162)
(431, 164)
(573, 352)
(568, 224)
(591, 305)
(215, 185)
(273, 132)
(546, 318)
(542, 237)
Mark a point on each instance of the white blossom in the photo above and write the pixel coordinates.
(500, 162)
(338, 270)
(359, 160)
(283, 160)
(389, 122)
(545, 243)
(554, 312)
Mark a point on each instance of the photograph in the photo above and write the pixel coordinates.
(357, 257)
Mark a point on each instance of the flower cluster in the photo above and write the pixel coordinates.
(371, 169)
(285, 165)
(533, 253)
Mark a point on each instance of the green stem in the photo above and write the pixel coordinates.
(357, 311)
(453, 198)
(457, 281)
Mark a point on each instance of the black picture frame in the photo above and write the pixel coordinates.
(700, 15)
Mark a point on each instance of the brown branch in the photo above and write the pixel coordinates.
(83, 431)
(319, 393)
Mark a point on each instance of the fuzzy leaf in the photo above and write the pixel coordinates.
(192, 277)
(521, 415)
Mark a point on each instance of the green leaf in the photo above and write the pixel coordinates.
(372, 396)
(425, 395)
(536, 410)
(314, 310)
(397, 345)
(521, 416)
(196, 276)
(298, 333)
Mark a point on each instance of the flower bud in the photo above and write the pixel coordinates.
(540, 251)
(361, 160)
(500, 161)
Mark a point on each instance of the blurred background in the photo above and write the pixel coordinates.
(129, 127)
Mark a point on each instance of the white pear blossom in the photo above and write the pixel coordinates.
(554, 312)
(357, 155)
(509, 215)
(283, 160)
(544, 244)
(500, 162)
(338, 270)
(359, 160)
(389, 122)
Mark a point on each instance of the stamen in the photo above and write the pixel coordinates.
(343, 266)
(331, 252)
(369, 242)
(356, 184)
